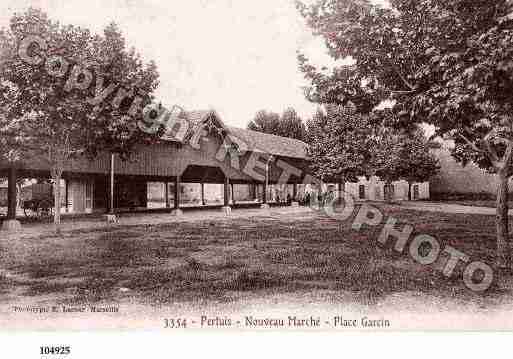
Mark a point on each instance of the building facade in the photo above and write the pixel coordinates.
(377, 190)
(213, 165)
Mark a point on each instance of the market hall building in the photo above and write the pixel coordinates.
(215, 165)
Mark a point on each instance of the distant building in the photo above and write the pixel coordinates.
(376, 190)
(455, 179)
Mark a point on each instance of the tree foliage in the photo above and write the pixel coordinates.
(443, 62)
(404, 155)
(289, 124)
(341, 144)
(447, 63)
(265, 121)
(416, 161)
(49, 111)
(345, 144)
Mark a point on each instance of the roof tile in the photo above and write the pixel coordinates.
(257, 141)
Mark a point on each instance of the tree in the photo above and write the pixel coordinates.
(341, 143)
(447, 63)
(291, 125)
(266, 122)
(345, 145)
(288, 125)
(40, 116)
(52, 111)
(114, 121)
(386, 157)
(405, 156)
(343, 86)
(416, 162)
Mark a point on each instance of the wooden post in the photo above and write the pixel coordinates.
(203, 194)
(176, 205)
(177, 193)
(294, 191)
(226, 208)
(11, 194)
(232, 194)
(226, 191)
(166, 191)
(110, 205)
(66, 195)
(264, 193)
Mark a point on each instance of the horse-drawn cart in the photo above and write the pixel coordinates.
(39, 201)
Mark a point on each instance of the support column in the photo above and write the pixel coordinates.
(232, 194)
(176, 208)
(264, 205)
(294, 203)
(203, 194)
(11, 224)
(66, 194)
(166, 191)
(111, 215)
(226, 208)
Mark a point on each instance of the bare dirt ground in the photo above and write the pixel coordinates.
(303, 262)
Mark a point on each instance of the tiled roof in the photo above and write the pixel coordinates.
(257, 141)
(274, 145)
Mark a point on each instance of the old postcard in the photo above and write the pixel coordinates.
(235, 166)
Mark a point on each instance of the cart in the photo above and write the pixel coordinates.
(40, 202)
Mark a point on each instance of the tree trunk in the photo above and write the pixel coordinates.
(502, 222)
(56, 177)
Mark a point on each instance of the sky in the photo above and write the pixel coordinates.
(234, 56)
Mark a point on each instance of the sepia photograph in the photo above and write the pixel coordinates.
(225, 166)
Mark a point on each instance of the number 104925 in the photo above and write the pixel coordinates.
(51, 350)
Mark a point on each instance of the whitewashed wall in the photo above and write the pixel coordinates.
(375, 189)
